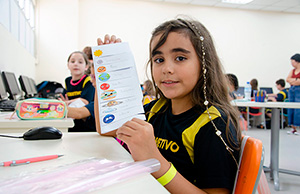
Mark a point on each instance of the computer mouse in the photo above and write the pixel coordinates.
(40, 133)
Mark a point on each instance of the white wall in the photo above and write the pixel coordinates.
(251, 44)
(14, 57)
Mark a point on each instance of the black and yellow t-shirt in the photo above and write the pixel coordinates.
(188, 140)
(83, 89)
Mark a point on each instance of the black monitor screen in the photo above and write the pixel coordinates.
(26, 85)
(11, 84)
(3, 93)
(33, 86)
(267, 89)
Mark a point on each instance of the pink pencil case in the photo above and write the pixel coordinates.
(41, 109)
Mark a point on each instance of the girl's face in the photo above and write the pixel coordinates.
(77, 65)
(176, 68)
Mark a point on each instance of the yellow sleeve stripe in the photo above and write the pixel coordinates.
(188, 136)
(283, 94)
(87, 79)
(157, 106)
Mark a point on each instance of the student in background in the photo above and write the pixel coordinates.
(148, 92)
(79, 88)
(193, 114)
(294, 93)
(233, 86)
(254, 86)
(86, 112)
(279, 97)
(88, 51)
(282, 94)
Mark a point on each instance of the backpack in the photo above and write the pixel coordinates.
(50, 89)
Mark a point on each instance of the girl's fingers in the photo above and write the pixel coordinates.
(66, 97)
(99, 41)
(106, 39)
(140, 121)
(113, 39)
(118, 40)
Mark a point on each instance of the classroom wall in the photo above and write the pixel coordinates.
(251, 44)
(14, 57)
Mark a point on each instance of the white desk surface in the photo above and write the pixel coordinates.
(74, 147)
(266, 104)
(15, 125)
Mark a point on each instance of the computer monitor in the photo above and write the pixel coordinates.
(240, 91)
(26, 86)
(11, 85)
(33, 86)
(269, 90)
(3, 93)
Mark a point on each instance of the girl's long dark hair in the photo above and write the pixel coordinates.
(217, 90)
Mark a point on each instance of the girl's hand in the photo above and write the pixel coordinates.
(139, 137)
(64, 98)
(108, 40)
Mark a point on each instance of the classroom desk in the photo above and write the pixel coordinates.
(275, 124)
(15, 125)
(74, 147)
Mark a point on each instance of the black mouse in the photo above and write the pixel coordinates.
(40, 133)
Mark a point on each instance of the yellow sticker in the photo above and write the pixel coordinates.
(98, 53)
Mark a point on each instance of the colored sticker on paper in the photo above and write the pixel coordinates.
(98, 53)
(112, 103)
(108, 110)
(99, 62)
(108, 95)
(108, 118)
(104, 77)
(104, 86)
(101, 69)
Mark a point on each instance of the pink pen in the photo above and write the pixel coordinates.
(29, 160)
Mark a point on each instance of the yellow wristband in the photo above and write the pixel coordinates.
(168, 176)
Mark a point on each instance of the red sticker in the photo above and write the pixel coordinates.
(104, 86)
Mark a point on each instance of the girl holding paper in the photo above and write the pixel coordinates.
(192, 129)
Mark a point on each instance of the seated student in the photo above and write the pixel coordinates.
(79, 87)
(254, 86)
(86, 112)
(233, 85)
(88, 51)
(148, 92)
(279, 97)
(191, 129)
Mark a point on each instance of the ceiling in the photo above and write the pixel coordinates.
(288, 6)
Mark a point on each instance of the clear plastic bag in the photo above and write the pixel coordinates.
(83, 176)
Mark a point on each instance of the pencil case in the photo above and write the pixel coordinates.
(41, 109)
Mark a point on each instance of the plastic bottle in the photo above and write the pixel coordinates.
(247, 91)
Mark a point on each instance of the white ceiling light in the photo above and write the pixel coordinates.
(237, 1)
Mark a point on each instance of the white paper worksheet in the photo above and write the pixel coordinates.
(118, 88)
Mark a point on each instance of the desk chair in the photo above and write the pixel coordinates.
(250, 167)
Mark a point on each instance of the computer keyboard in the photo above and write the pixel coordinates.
(8, 105)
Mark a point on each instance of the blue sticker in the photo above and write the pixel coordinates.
(109, 118)
(108, 110)
(104, 77)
